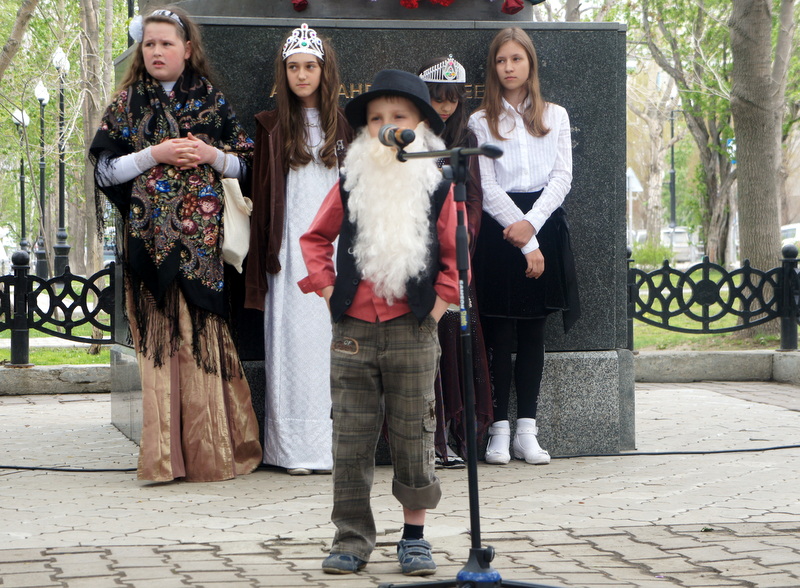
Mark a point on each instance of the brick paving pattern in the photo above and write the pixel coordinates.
(696, 511)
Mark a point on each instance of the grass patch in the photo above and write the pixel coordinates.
(62, 356)
(650, 338)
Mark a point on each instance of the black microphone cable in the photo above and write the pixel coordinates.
(575, 456)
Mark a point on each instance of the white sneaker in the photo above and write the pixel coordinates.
(526, 446)
(497, 449)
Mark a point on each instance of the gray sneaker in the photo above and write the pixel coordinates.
(415, 557)
(342, 563)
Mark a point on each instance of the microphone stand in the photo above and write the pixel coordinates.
(477, 572)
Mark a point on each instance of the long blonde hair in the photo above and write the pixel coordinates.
(188, 32)
(492, 103)
(290, 112)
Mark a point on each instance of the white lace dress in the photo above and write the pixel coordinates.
(297, 332)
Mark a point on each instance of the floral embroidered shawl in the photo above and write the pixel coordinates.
(173, 215)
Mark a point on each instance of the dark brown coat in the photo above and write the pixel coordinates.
(269, 203)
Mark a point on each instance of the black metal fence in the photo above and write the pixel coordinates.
(707, 298)
(61, 306)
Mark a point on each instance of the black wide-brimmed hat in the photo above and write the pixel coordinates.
(393, 82)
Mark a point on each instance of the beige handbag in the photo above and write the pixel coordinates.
(236, 210)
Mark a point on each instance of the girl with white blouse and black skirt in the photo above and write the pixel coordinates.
(523, 263)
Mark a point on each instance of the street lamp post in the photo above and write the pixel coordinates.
(672, 222)
(21, 119)
(61, 248)
(42, 267)
(131, 11)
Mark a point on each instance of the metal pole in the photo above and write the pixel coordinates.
(790, 299)
(23, 240)
(42, 267)
(631, 307)
(130, 16)
(672, 222)
(20, 335)
(61, 248)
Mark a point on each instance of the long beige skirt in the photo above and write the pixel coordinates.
(195, 425)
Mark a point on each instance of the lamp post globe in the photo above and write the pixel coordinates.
(20, 118)
(42, 264)
(61, 61)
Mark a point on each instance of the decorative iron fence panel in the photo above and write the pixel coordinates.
(715, 300)
(60, 306)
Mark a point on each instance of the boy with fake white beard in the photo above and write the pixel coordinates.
(394, 278)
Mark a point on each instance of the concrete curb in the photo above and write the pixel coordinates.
(722, 366)
(650, 366)
(55, 379)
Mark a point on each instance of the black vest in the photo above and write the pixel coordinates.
(420, 292)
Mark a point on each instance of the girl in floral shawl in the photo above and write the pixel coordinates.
(164, 144)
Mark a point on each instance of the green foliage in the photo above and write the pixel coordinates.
(648, 257)
(792, 82)
(53, 25)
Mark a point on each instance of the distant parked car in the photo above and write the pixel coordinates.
(790, 235)
(682, 243)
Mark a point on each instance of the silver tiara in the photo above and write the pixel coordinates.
(168, 14)
(448, 71)
(303, 40)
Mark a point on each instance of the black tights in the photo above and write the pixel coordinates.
(499, 337)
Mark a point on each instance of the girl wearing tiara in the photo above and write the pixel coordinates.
(296, 161)
(446, 78)
(524, 267)
(162, 147)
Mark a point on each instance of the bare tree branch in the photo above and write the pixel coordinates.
(11, 47)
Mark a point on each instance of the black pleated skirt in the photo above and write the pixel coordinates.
(502, 288)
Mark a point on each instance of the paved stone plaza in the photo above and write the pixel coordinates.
(689, 513)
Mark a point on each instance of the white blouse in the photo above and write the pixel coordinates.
(528, 164)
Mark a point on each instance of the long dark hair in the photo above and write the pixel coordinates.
(456, 131)
(296, 152)
(188, 32)
(492, 103)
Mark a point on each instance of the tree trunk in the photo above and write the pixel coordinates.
(653, 107)
(108, 52)
(76, 221)
(14, 41)
(572, 11)
(757, 107)
(654, 182)
(94, 99)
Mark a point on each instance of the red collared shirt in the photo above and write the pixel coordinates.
(317, 246)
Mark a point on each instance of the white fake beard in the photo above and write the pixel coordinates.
(389, 204)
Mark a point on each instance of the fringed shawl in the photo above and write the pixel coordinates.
(172, 216)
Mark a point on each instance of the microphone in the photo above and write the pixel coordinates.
(394, 136)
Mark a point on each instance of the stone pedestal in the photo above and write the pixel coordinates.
(126, 392)
(587, 403)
